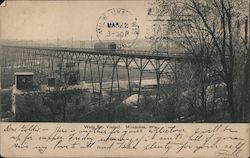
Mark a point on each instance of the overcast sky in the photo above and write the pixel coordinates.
(30, 20)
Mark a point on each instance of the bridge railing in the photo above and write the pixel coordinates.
(118, 52)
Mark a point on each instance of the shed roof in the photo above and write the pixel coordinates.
(24, 73)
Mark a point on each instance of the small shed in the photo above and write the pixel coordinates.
(24, 80)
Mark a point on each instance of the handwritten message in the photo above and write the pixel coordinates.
(163, 140)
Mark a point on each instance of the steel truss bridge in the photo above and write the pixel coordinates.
(44, 60)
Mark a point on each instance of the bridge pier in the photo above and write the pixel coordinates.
(140, 78)
(158, 75)
(60, 68)
(114, 66)
(129, 84)
(78, 71)
(100, 77)
(91, 77)
(84, 73)
(112, 80)
(127, 63)
(117, 80)
(47, 57)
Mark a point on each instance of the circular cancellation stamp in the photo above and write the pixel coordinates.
(119, 26)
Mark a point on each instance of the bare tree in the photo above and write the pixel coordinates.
(216, 31)
(225, 14)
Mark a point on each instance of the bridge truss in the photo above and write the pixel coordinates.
(45, 59)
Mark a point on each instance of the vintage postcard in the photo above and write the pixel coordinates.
(125, 78)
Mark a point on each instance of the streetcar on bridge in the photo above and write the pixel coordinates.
(105, 46)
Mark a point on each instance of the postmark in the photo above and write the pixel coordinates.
(2, 3)
(119, 26)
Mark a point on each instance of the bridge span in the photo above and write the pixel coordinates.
(49, 60)
(79, 52)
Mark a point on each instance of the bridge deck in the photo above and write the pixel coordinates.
(121, 53)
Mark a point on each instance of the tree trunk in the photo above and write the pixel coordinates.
(203, 101)
(230, 95)
(247, 98)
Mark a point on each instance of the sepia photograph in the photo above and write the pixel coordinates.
(124, 78)
(141, 61)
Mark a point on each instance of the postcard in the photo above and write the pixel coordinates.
(128, 78)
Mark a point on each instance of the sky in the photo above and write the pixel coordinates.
(42, 20)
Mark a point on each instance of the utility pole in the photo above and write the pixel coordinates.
(83, 44)
(57, 42)
(120, 42)
(91, 42)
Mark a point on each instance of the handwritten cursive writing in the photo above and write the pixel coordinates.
(221, 140)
